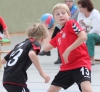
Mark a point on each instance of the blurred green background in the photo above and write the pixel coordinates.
(19, 14)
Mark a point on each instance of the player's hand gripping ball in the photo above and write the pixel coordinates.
(47, 19)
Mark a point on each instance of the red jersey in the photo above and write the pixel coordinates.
(78, 57)
(2, 24)
(3, 27)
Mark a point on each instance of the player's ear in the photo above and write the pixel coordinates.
(69, 15)
(42, 39)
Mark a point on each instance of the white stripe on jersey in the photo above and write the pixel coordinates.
(75, 28)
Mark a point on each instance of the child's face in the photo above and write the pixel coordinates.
(69, 3)
(61, 16)
(81, 9)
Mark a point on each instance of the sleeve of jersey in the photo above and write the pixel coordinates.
(53, 42)
(76, 28)
(36, 47)
(3, 24)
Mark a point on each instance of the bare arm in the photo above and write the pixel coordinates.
(48, 47)
(35, 61)
(51, 30)
(3, 61)
(6, 33)
(81, 38)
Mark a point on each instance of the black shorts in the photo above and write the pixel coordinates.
(67, 78)
(15, 88)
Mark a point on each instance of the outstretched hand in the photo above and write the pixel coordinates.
(46, 77)
(65, 56)
(52, 28)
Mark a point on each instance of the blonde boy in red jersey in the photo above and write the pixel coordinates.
(70, 41)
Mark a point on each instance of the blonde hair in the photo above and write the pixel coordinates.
(61, 6)
(37, 31)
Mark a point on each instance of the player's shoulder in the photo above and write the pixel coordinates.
(95, 11)
(36, 44)
(22, 44)
(71, 22)
(1, 18)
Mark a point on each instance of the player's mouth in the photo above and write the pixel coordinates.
(61, 19)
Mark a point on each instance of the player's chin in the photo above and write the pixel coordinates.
(46, 81)
(62, 23)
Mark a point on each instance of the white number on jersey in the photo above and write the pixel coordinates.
(16, 55)
(14, 60)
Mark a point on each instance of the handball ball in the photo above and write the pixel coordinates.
(47, 19)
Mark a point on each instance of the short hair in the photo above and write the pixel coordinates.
(37, 31)
(86, 4)
(61, 6)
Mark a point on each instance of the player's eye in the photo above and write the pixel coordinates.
(63, 13)
(57, 14)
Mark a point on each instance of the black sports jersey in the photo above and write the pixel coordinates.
(18, 62)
